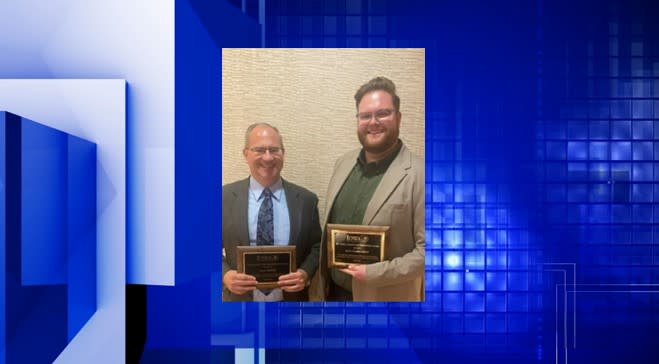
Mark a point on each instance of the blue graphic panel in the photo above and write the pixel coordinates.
(197, 196)
(49, 242)
(44, 192)
(3, 236)
(78, 44)
(93, 110)
(81, 232)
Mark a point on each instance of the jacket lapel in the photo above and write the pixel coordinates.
(391, 179)
(338, 179)
(294, 212)
(239, 207)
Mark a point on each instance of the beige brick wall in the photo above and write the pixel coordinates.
(308, 95)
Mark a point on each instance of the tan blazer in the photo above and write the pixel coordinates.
(398, 202)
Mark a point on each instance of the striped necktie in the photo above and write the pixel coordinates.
(265, 228)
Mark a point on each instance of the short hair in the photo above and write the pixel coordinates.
(378, 83)
(255, 125)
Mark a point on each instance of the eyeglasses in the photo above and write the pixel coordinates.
(262, 150)
(379, 115)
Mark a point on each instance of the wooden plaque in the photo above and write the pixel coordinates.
(355, 244)
(266, 263)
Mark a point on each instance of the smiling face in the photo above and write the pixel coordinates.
(377, 134)
(264, 166)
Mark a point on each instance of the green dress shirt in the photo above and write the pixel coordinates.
(352, 200)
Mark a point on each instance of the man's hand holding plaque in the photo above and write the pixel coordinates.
(357, 271)
(271, 266)
(351, 246)
(239, 283)
(293, 282)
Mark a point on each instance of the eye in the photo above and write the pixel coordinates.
(365, 116)
(381, 114)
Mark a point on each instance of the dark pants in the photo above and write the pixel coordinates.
(338, 293)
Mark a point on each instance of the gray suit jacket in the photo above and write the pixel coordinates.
(304, 234)
(398, 202)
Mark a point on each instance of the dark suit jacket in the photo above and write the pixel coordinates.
(305, 231)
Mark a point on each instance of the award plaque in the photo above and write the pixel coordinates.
(355, 244)
(266, 263)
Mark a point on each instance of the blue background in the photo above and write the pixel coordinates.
(541, 213)
(542, 128)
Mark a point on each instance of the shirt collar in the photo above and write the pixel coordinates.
(381, 164)
(256, 189)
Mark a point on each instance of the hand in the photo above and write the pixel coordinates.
(239, 283)
(357, 271)
(293, 282)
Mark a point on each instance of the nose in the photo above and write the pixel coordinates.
(267, 155)
(374, 119)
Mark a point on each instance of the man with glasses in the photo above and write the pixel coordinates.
(380, 184)
(265, 209)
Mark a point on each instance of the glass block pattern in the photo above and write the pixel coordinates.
(541, 127)
(597, 151)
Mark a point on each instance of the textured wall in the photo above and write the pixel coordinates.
(308, 95)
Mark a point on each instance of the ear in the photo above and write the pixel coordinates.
(245, 154)
(400, 117)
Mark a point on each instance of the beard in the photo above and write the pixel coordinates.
(378, 143)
